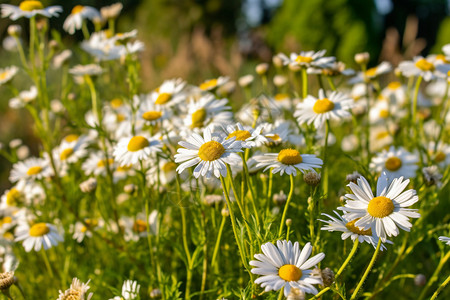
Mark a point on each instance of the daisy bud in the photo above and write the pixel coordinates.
(130, 188)
(420, 280)
(279, 80)
(122, 197)
(279, 198)
(398, 72)
(15, 143)
(288, 222)
(53, 45)
(155, 294)
(23, 152)
(262, 68)
(88, 185)
(342, 199)
(296, 294)
(56, 106)
(294, 68)
(310, 201)
(246, 80)
(42, 24)
(226, 89)
(14, 30)
(311, 178)
(71, 96)
(225, 212)
(327, 277)
(353, 177)
(212, 199)
(362, 58)
(277, 61)
(6, 280)
(432, 176)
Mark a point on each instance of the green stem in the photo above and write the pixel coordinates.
(304, 83)
(250, 187)
(331, 83)
(281, 294)
(219, 237)
(325, 159)
(47, 263)
(283, 217)
(441, 287)
(366, 273)
(85, 30)
(415, 100)
(434, 277)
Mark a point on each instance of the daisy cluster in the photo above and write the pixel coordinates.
(150, 176)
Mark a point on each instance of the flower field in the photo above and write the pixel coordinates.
(305, 179)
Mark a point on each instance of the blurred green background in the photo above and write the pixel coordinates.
(200, 39)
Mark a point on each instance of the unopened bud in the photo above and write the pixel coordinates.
(279, 80)
(312, 178)
(88, 185)
(279, 198)
(225, 212)
(71, 96)
(155, 294)
(262, 68)
(212, 199)
(398, 72)
(14, 30)
(288, 222)
(420, 280)
(327, 277)
(130, 188)
(246, 80)
(23, 152)
(362, 58)
(6, 280)
(342, 199)
(277, 61)
(15, 143)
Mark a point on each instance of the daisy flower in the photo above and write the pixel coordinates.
(318, 110)
(102, 47)
(148, 112)
(439, 154)
(38, 235)
(136, 227)
(212, 84)
(81, 70)
(131, 150)
(308, 59)
(30, 170)
(395, 93)
(288, 161)
(445, 239)
(70, 151)
(96, 164)
(395, 162)
(372, 73)
(250, 137)
(111, 11)
(385, 213)
(77, 290)
(282, 132)
(130, 290)
(80, 230)
(169, 93)
(287, 266)
(23, 98)
(167, 172)
(29, 9)
(76, 18)
(348, 229)
(206, 111)
(7, 73)
(210, 154)
(427, 68)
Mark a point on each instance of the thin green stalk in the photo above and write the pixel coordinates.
(304, 83)
(441, 287)
(219, 237)
(435, 275)
(325, 159)
(281, 294)
(366, 273)
(414, 108)
(331, 83)
(341, 269)
(85, 30)
(288, 201)
(47, 263)
(246, 176)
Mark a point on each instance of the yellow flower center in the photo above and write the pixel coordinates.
(322, 106)
(66, 153)
(384, 113)
(304, 59)
(151, 115)
(290, 273)
(139, 226)
(208, 85)
(424, 65)
(211, 151)
(442, 58)
(393, 163)
(440, 156)
(77, 9)
(380, 207)
(137, 143)
(13, 197)
(3, 75)
(124, 168)
(198, 118)
(39, 229)
(30, 5)
(163, 98)
(372, 72)
(71, 138)
(120, 118)
(72, 295)
(6, 220)
(102, 163)
(34, 170)
(274, 137)
(394, 85)
(116, 103)
(241, 135)
(281, 97)
(84, 229)
(169, 167)
(351, 226)
(381, 135)
(289, 157)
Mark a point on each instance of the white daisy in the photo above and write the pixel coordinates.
(111, 11)
(29, 9)
(77, 290)
(386, 212)
(212, 84)
(102, 47)
(395, 92)
(282, 132)
(131, 150)
(395, 162)
(165, 168)
(372, 73)
(250, 137)
(148, 112)
(308, 59)
(96, 164)
(445, 239)
(136, 227)
(439, 154)
(287, 266)
(79, 13)
(348, 229)
(288, 161)
(71, 150)
(169, 93)
(30, 170)
(208, 111)
(210, 154)
(23, 98)
(80, 230)
(81, 70)
(7, 73)
(38, 235)
(428, 68)
(318, 110)
(130, 290)
(61, 58)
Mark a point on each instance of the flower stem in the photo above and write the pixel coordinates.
(304, 83)
(47, 263)
(283, 217)
(219, 237)
(366, 273)
(325, 159)
(414, 108)
(281, 294)
(441, 287)
(434, 277)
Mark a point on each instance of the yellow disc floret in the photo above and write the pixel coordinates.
(394, 85)
(34, 170)
(66, 153)
(439, 157)
(39, 229)
(304, 59)
(137, 143)
(211, 151)
(323, 105)
(13, 197)
(424, 65)
(384, 113)
(151, 115)
(163, 98)
(289, 157)
(139, 226)
(372, 72)
(393, 163)
(116, 103)
(30, 5)
(241, 135)
(380, 207)
(208, 85)
(290, 273)
(102, 163)
(198, 118)
(77, 9)
(71, 138)
(351, 226)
